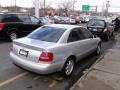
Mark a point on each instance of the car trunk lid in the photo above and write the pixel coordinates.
(29, 49)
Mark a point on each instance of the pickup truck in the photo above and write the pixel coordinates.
(16, 25)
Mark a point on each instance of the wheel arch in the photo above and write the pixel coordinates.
(73, 57)
(12, 30)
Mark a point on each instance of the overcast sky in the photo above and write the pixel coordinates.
(115, 4)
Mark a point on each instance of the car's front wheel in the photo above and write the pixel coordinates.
(68, 67)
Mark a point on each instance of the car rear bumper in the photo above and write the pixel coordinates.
(40, 68)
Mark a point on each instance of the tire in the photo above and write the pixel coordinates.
(13, 35)
(107, 37)
(68, 67)
(113, 35)
(98, 50)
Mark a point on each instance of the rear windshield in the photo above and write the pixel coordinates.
(96, 23)
(46, 33)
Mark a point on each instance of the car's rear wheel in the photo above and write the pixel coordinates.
(113, 35)
(13, 35)
(98, 50)
(107, 37)
(68, 67)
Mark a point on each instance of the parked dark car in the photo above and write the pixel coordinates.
(15, 25)
(101, 28)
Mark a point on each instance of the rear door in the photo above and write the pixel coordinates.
(26, 24)
(30, 23)
(76, 43)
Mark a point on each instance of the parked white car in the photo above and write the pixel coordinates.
(84, 19)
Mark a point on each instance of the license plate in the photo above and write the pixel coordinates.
(94, 29)
(23, 52)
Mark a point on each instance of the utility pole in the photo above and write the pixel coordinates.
(107, 7)
(15, 6)
(103, 9)
(44, 7)
(37, 8)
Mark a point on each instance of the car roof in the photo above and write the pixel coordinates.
(65, 26)
(98, 19)
(12, 13)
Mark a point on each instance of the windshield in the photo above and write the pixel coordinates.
(96, 23)
(46, 33)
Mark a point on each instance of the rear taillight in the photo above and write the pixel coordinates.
(46, 57)
(105, 30)
(2, 25)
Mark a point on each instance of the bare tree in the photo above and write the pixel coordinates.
(47, 4)
(66, 5)
(44, 6)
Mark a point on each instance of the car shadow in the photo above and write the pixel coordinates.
(4, 41)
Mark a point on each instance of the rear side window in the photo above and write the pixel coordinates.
(79, 34)
(1, 17)
(47, 33)
(24, 18)
(74, 36)
(10, 18)
(86, 33)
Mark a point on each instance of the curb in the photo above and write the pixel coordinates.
(85, 73)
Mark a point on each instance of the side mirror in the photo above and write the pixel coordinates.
(94, 36)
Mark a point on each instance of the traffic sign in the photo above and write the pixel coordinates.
(85, 8)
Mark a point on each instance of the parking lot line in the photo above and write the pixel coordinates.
(36, 78)
(53, 83)
(52, 80)
(57, 78)
(13, 79)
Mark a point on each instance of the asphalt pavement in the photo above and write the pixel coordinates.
(14, 78)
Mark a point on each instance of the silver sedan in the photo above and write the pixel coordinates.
(53, 48)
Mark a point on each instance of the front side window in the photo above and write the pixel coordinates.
(24, 18)
(34, 20)
(47, 33)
